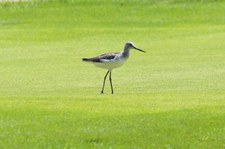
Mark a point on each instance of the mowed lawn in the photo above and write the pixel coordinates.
(173, 96)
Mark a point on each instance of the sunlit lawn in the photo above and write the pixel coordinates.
(173, 96)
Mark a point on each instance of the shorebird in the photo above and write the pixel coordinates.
(110, 61)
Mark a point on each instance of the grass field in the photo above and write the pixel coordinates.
(173, 96)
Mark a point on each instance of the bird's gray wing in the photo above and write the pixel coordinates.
(107, 57)
(102, 58)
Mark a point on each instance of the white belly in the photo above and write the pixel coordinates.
(111, 64)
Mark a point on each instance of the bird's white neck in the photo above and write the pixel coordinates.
(126, 52)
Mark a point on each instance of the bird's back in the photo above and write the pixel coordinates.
(108, 61)
(102, 58)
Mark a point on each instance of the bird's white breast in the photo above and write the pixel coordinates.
(111, 64)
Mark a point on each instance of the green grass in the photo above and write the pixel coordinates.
(171, 97)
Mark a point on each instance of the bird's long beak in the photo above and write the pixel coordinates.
(139, 50)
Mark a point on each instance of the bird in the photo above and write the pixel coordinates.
(110, 61)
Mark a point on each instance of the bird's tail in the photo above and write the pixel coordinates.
(86, 60)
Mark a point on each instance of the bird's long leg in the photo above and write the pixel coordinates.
(104, 82)
(110, 79)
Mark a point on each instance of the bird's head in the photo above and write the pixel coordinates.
(130, 45)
